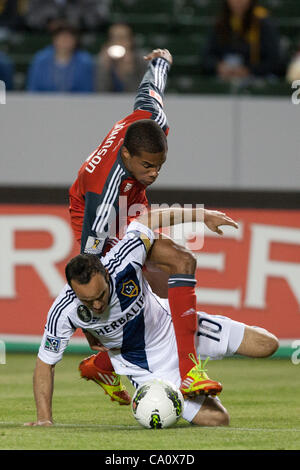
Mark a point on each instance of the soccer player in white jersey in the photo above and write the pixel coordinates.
(111, 301)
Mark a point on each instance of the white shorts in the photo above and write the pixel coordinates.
(217, 337)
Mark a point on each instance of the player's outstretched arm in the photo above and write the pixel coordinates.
(43, 383)
(160, 218)
(150, 94)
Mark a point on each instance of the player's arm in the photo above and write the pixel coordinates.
(94, 343)
(100, 214)
(151, 90)
(140, 233)
(160, 218)
(58, 330)
(43, 384)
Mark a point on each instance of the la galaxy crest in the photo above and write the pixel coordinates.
(127, 287)
(130, 289)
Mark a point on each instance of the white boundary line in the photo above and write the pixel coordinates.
(124, 426)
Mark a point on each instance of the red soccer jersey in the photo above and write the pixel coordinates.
(104, 192)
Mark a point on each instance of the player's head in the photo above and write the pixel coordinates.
(144, 150)
(90, 282)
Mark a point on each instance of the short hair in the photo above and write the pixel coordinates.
(62, 26)
(82, 268)
(145, 135)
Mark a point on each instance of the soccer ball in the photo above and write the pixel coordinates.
(157, 404)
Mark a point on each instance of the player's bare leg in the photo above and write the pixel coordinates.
(257, 342)
(211, 413)
(157, 279)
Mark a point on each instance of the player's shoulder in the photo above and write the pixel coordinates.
(65, 303)
(124, 252)
(136, 115)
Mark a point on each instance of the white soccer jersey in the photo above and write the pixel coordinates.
(136, 327)
(136, 321)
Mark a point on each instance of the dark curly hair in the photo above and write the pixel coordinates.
(145, 135)
(83, 267)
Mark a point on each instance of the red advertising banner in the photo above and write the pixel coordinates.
(251, 274)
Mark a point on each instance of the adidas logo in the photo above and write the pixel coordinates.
(128, 187)
(107, 379)
(187, 382)
(188, 312)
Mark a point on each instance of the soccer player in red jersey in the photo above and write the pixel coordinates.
(120, 169)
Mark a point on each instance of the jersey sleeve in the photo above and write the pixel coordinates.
(151, 91)
(133, 248)
(58, 329)
(100, 213)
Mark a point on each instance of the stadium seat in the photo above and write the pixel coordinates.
(282, 8)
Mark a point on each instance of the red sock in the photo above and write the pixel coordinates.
(103, 362)
(183, 306)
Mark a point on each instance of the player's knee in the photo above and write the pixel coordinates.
(212, 413)
(224, 420)
(272, 344)
(267, 343)
(214, 418)
(184, 262)
(220, 418)
(258, 342)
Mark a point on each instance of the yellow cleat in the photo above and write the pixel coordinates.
(196, 381)
(108, 380)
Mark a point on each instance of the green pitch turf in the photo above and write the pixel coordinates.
(261, 396)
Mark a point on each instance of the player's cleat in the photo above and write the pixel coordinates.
(108, 380)
(196, 381)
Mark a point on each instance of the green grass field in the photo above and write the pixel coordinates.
(261, 396)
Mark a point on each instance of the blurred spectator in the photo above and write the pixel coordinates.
(62, 67)
(243, 43)
(293, 69)
(82, 14)
(121, 67)
(12, 13)
(6, 71)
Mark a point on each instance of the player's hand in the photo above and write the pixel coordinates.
(213, 219)
(163, 53)
(94, 343)
(46, 422)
